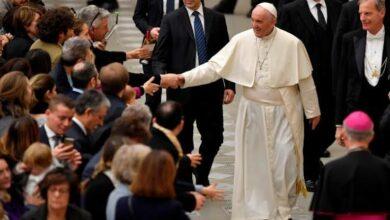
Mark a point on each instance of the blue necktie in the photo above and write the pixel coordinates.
(200, 39)
(170, 6)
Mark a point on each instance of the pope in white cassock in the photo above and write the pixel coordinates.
(275, 71)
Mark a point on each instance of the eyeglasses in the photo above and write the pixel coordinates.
(94, 18)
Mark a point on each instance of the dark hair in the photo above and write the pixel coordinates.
(82, 74)
(14, 97)
(40, 61)
(131, 127)
(58, 176)
(40, 84)
(158, 175)
(78, 26)
(24, 16)
(53, 23)
(16, 64)
(91, 99)
(61, 100)
(112, 144)
(169, 114)
(114, 78)
(21, 133)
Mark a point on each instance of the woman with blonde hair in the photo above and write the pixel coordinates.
(125, 166)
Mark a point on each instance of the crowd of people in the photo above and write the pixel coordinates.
(76, 144)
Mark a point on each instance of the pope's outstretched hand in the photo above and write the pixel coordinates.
(171, 80)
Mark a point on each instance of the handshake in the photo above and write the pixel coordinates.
(171, 80)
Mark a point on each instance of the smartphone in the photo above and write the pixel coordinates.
(68, 141)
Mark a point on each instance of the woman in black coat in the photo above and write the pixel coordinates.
(153, 192)
(25, 26)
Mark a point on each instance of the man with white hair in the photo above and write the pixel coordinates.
(277, 82)
(97, 20)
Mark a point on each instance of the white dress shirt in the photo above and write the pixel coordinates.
(313, 9)
(51, 136)
(165, 5)
(373, 55)
(192, 20)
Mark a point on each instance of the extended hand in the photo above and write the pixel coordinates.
(149, 87)
(212, 192)
(314, 122)
(139, 53)
(196, 159)
(199, 199)
(155, 32)
(172, 80)
(228, 96)
(339, 136)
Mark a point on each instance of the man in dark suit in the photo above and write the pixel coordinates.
(97, 20)
(91, 108)
(348, 21)
(59, 120)
(84, 76)
(147, 17)
(190, 36)
(358, 183)
(114, 78)
(314, 23)
(364, 77)
(74, 50)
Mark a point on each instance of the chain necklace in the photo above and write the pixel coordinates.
(266, 53)
(374, 72)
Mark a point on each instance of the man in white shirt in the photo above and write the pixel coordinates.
(364, 82)
(59, 119)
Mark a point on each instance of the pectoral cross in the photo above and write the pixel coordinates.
(375, 73)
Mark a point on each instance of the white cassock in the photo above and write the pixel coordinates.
(275, 72)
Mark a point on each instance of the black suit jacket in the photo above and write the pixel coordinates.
(351, 73)
(148, 14)
(297, 19)
(99, 137)
(73, 94)
(82, 142)
(72, 212)
(358, 182)
(59, 76)
(348, 21)
(104, 57)
(175, 51)
(43, 136)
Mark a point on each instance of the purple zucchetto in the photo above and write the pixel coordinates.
(358, 121)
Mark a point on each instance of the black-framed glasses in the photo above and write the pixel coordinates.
(95, 17)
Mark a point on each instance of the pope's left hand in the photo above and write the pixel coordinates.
(314, 122)
(228, 96)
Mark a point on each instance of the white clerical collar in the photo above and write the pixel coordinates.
(312, 4)
(80, 124)
(200, 10)
(380, 35)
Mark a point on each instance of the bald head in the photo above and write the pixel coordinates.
(263, 19)
(114, 78)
